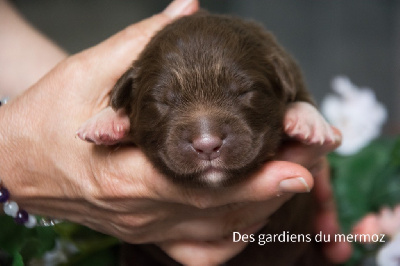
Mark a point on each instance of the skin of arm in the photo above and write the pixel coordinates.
(25, 54)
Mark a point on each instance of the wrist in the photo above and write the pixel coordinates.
(26, 154)
(6, 148)
(11, 207)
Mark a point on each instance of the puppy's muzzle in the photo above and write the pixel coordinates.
(208, 146)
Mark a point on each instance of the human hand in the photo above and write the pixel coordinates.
(49, 172)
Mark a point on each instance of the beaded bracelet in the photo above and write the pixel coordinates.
(12, 209)
(3, 101)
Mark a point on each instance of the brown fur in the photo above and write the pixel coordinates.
(215, 70)
(215, 75)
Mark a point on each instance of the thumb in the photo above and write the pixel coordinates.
(125, 46)
(275, 178)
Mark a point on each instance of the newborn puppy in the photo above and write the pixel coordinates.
(209, 101)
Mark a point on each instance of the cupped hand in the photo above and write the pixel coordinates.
(116, 190)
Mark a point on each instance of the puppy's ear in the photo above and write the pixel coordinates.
(123, 92)
(286, 77)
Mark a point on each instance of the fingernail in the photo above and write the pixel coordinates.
(177, 7)
(338, 137)
(337, 134)
(294, 185)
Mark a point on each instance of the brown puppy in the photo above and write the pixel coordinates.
(209, 100)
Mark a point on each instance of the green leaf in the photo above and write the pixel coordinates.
(12, 236)
(396, 154)
(109, 256)
(47, 237)
(18, 261)
(23, 243)
(94, 248)
(365, 182)
(355, 178)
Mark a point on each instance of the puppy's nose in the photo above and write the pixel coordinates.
(207, 146)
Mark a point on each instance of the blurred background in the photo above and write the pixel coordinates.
(356, 38)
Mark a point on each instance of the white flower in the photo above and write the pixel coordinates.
(60, 253)
(389, 255)
(355, 112)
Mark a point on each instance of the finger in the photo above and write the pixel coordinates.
(117, 52)
(214, 224)
(327, 219)
(274, 179)
(207, 252)
(337, 252)
(202, 253)
(271, 181)
(322, 185)
(146, 28)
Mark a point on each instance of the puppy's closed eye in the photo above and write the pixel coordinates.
(254, 97)
(246, 96)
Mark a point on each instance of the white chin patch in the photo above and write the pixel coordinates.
(213, 177)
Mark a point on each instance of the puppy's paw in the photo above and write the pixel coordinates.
(106, 128)
(304, 122)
